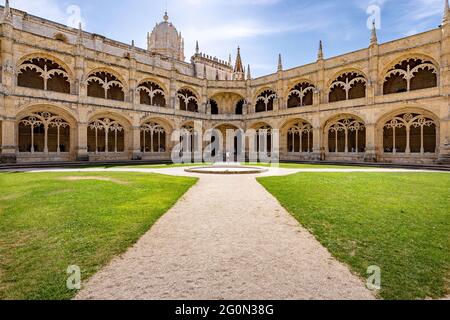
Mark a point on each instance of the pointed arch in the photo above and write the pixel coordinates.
(347, 85)
(106, 133)
(302, 94)
(44, 55)
(345, 134)
(154, 136)
(152, 94)
(188, 100)
(409, 131)
(299, 136)
(44, 74)
(103, 84)
(265, 101)
(409, 74)
(45, 129)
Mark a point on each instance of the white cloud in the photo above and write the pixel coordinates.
(422, 9)
(70, 16)
(35, 7)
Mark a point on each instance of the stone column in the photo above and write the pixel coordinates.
(276, 104)
(82, 148)
(245, 108)
(372, 85)
(371, 151)
(80, 87)
(316, 98)
(136, 143)
(317, 154)
(7, 61)
(444, 143)
(8, 143)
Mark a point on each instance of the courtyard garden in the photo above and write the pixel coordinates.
(397, 221)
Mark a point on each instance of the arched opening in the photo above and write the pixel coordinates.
(265, 101)
(106, 86)
(188, 100)
(214, 107)
(410, 133)
(232, 142)
(190, 142)
(301, 95)
(264, 139)
(411, 74)
(152, 94)
(43, 74)
(105, 136)
(300, 138)
(350, 85)
(347, 135)
(44, 132)
(240, 107)
(153, 138)
(395, 83)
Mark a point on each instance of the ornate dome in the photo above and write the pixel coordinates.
(166, 40)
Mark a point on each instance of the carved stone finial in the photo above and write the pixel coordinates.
(280, 63)
(374, 38)
(320, 53)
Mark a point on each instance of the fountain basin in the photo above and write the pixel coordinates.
(226, 170)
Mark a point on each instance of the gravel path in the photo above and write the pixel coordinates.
(227, 238)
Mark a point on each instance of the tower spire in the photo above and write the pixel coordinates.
(280, 63)
(446, 18)
(320, 53)
(239, 72)
(7, 15)
(238, 68)
(374, 38)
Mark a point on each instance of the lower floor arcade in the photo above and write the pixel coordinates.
(50, 133)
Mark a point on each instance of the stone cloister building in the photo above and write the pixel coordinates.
(66, 94)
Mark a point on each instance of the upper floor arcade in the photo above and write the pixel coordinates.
(68, 65)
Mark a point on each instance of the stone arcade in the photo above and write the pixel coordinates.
(66, 94)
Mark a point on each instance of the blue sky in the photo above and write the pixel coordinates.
(263, 28)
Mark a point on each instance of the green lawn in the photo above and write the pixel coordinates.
(307, 166)
(399, 222)
(167, 166)
(49, 221)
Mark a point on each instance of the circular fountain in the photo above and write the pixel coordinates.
(226, 169)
